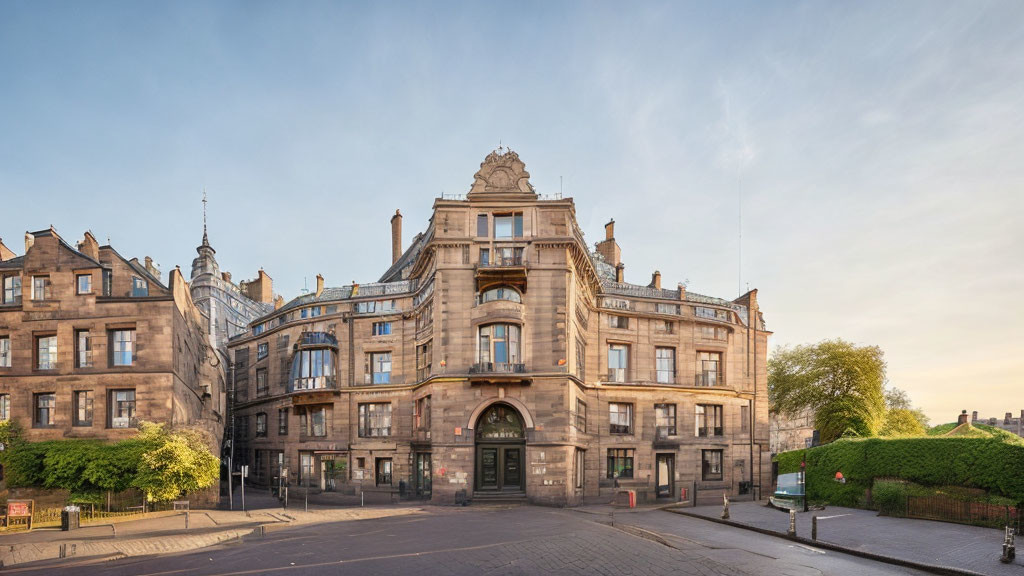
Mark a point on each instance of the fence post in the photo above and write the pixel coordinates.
(814, 528)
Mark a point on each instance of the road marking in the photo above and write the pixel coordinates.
(808, 548)
(836, 516)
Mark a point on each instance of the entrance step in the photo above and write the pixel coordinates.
(499, 498)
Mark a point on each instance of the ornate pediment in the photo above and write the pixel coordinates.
(502, 172)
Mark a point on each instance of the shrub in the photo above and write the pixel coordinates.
(890, 497)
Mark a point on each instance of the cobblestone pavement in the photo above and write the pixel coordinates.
(494, 540)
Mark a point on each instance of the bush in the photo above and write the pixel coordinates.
(890, 497)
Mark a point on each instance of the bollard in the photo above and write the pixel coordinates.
(792, 524)
(725, 507)
(814, 528)
(186, 519)
(1009, 550)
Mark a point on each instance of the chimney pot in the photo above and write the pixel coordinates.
(609, 229)
(620, 272)
(319, 285)
(656, 280)
(962, 418)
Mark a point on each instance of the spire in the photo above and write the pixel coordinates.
(206, 241)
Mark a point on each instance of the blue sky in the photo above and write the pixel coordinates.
(877, 146)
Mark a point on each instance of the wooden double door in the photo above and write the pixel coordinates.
(499, 467)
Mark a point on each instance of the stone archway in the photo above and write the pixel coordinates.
(499, 433)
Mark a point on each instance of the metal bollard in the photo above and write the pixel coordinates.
(792, 524)
(725, 507)
(814, 528)
(186, 520)
(1009, 550)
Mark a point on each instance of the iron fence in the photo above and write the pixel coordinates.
(946, 509)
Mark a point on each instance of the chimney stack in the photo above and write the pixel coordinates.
(278, 302)
(29, 241)
(609, 248)
(962, 419)
(89, 246)
(974, 416)
(152, 269)
(682, 291)
(396, 236)
(319, 285)
(620, 272)
(656, 280)
(1009, 416)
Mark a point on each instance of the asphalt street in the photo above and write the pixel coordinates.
(497, 540)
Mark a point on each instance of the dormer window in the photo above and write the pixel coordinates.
(501, 293)
(140, 288)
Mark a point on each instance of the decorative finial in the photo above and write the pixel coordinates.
(206, 241)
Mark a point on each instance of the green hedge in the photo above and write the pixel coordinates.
(986, 463)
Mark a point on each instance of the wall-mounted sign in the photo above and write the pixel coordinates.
(20, 511)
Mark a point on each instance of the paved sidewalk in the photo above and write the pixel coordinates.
(967, 549)
(164, 532)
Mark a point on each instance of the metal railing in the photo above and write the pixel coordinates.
(707, 379)
(318, 339)
(498, 261)
(312, 383)
(497, 368)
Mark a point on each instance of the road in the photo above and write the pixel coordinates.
(497, 540)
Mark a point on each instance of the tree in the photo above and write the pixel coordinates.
(842, 383)
(901, 422)
(896, 400)
(174, 463)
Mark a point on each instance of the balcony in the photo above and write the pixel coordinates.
(317, 340)
(708, 379)
(502, 266)
(498, 372)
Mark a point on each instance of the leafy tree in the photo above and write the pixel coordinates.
(174, 463)
(896, 399)
(842, 383)
(901, 422)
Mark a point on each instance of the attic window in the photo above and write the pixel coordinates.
(140, 288)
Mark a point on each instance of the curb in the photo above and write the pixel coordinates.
(943, 570)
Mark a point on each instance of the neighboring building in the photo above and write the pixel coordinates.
(791, 433)
(499, 356)
(1007, 422)
(228, 307)
(91, 342)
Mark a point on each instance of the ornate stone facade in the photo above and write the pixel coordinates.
(499, 357)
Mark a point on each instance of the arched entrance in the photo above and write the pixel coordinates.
(500, 450)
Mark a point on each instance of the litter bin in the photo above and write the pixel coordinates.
(69, 518)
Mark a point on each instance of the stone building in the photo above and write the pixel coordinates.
(1007, 422)
(791, 432)
(91, 342)
(499, 356)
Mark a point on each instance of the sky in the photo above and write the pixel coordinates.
(867, 153)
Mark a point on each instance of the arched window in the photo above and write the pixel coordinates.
(499, 344)
(500, 293)
(499, 422)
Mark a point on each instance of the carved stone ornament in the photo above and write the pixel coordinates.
(502, 172)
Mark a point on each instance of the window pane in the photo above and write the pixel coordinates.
(502, 226)
(481, 225)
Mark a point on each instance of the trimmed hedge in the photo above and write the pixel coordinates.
(986, 463)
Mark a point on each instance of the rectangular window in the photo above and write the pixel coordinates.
(664, 420)
(83, 407)
(745, 419)
(383, 476)
(375, 420)
(262, 387)
(424, 360)
(618, 321)
(108, 282)
(5, 351)
(121, 408)
(378, 368)
(282, 422)
(313, 421)
(716, 333)
(581, 359)
(620, 463)
(262, 350)
(712, 313)
(122, 347)
(46, 352)
(381, 328)
(12, 289)
(83, 283)
(306, 468)
(665, 365)
(44, 409)
(578, 467)
(378, 306)
(481, 225)
(485, 256)
(620, 418)
(711, 465)
(421, 416)
(709, 420)
(5, 407)
(83, 349)
(709, 369)
(618, 362)
(581, 415)
(666, 308)
(140, 287)
(261, 424)
(40, 287)
(508, 225)
(666, 326)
